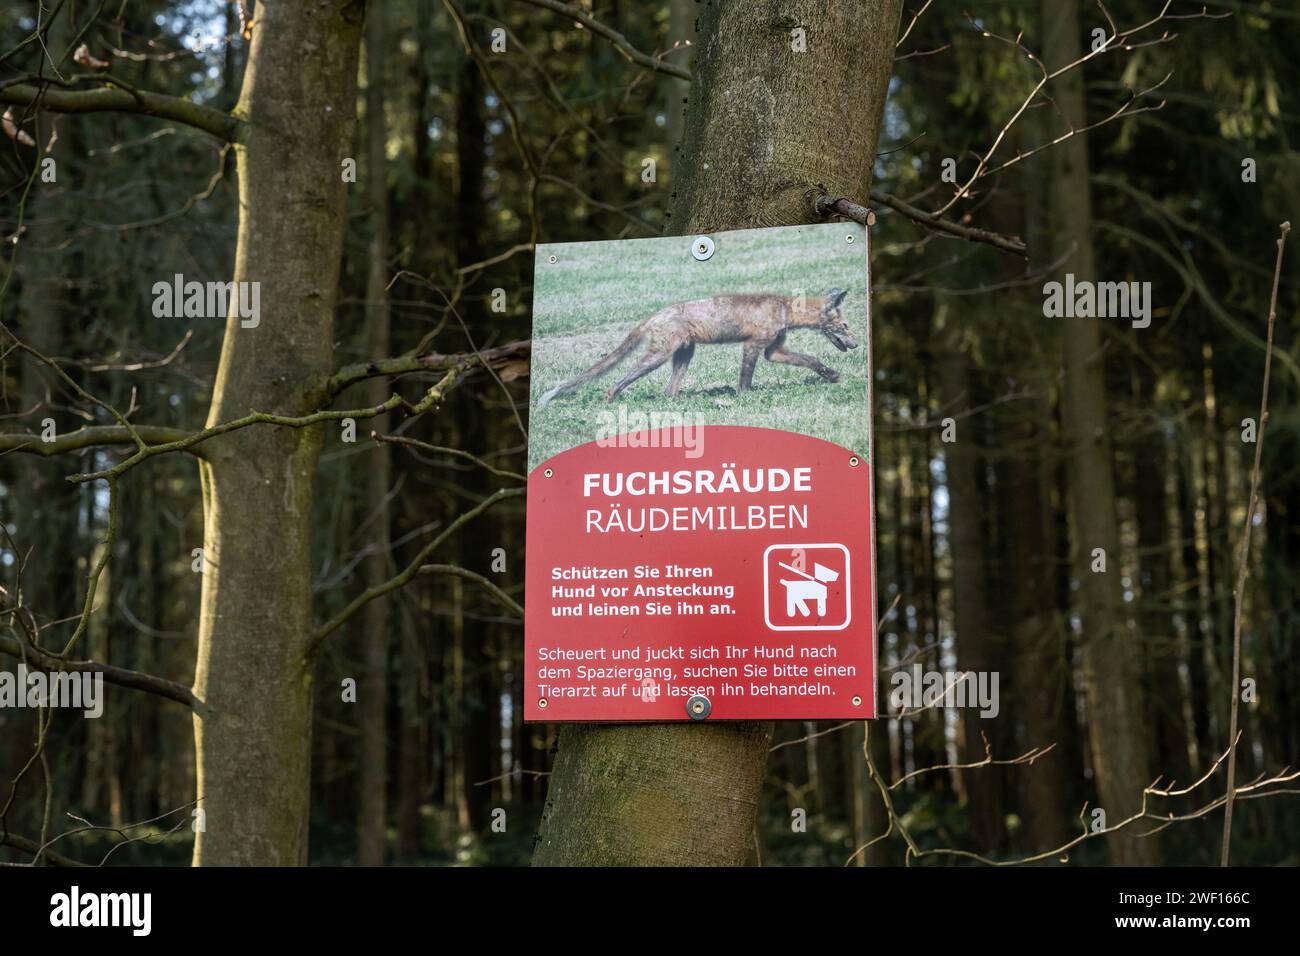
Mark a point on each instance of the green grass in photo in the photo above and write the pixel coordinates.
(595, 293)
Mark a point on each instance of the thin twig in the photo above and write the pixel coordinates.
(411, 570)
(1243, 565)
(1012, 244)
(619, 41)
(455, 571)
(443, 450)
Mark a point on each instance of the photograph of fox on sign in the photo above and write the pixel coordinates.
(700, 537)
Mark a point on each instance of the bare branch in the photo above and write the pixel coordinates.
(455, 571)
(516, 129)
(1124, 109)
(411, 570)
(915, 16)
(619, 41)
(431, 398)
(1028, 757)
(443, 450)
(121, 676)
(94, 436)
(1116, 40)
(1244, 563)
(34, 848)
(827, 205)
(116, 100)
(427, 362)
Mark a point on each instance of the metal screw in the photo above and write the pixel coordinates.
(542, 702)
(848, 238)
(698, 707)
(857, 701)
(853, 462)
(548, 473)
(702, 247)
(550, 259)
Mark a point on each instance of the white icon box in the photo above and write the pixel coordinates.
(806, 593)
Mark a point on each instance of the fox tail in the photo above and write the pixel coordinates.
(600, 368)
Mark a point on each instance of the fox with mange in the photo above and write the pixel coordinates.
(758, 322)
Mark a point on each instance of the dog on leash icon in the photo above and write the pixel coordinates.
(806, 587)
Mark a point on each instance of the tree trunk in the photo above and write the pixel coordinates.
(477, 699)
(681, 30)
(1039, 604)
(1163, 650)
(411, 762)
(419, 708)
(371, 830)
(1110, 678)
(255, 667)
(1040, 664)
(766, 130)
(40, 508)
(1194, 606)
(967, 538)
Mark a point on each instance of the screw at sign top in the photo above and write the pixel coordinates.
(550, 258)
(702, 247)
(548, 473)
(853, 461)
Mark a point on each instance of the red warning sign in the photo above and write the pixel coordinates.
(743, 576)
(700, 541)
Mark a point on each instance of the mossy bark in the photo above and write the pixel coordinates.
(767, 129)
(255, 667)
